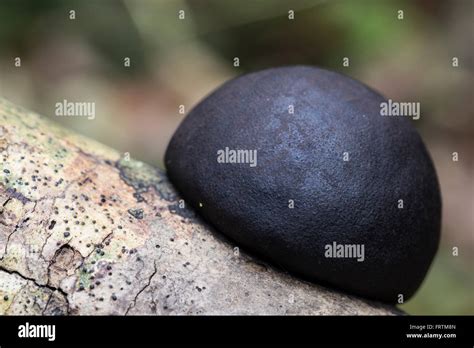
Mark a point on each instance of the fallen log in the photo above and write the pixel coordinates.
(84, 230)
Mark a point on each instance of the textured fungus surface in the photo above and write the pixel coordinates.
(83, 231)
(345, 167)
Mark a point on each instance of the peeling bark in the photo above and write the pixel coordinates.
(83, 231)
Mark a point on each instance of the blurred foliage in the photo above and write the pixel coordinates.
(446, 290)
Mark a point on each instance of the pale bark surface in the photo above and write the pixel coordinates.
(82, 231)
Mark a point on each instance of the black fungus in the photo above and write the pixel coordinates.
(320, 168)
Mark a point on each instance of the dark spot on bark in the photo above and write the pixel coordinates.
(184, 212)
(13, 193)
(136, 213)
(141, 183)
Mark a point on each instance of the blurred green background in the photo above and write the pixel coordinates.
(178, 61)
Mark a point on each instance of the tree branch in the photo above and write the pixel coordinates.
(83, 231)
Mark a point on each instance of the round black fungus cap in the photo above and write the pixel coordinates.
(297, 165)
